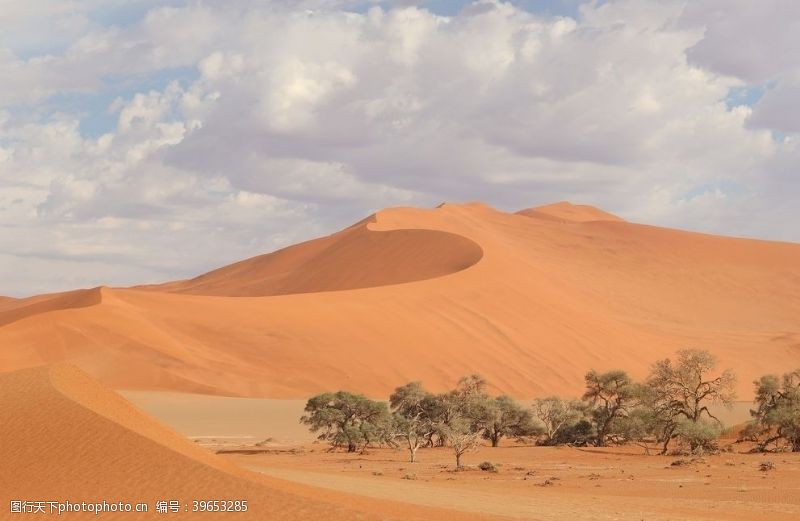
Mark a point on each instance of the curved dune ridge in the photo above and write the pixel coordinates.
(105, 449)
(529, 302)
(351, 259)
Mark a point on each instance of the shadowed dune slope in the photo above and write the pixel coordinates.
(547, 300)
(352, 259)
(57, 418)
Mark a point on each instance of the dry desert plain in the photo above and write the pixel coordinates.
(128, 394)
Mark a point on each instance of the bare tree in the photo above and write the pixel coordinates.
(462, 438)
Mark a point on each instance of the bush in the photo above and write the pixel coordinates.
(487, 466)
(701, 436)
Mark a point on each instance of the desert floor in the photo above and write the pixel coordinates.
(543, 483)
(537, 483)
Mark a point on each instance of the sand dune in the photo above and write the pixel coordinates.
(352, 259)
(566, 211)
(531, 301)
(57, 418)
(19, 309)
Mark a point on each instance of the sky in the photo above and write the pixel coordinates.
(144, 141)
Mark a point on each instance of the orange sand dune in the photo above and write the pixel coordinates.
(351, 259)
(535, 304)
(566, 211)
(19, 309)
(65, 437)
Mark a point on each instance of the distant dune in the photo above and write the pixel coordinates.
(530, 300)
(102, 448)
(565, 211)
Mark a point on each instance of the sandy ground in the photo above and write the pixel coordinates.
(222, 419)
(542, 483)
(66, 437)
(583, 483)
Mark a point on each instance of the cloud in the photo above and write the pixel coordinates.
(302, 118)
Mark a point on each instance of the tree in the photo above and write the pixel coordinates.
(612, 394)
(461, 437)
(555, 414)
(637, 427)
(502, 416)
(347, 420)
(411, 407)
(682, 391)
(777, 416)
(470, 386)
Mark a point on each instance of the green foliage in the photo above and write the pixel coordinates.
(682, 391)
(611, 394)
(501, 417)
(700, 435)
(558, 418)
(776, 419)
(412, 416)
(638, 426)
(348, 420)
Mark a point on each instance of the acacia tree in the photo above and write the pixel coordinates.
(411, 408)
(347, 420)
(461, 437)
(555, 414)
(612, 394)
(679, 394)
(502, 416)
(777, 416)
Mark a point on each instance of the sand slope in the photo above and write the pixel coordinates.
(102, 448)
(539, 300)
(351, 259)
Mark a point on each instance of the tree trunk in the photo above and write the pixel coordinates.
(664, 447)
(413, 455)
(495, 438)
(601, 439)
(458, 460)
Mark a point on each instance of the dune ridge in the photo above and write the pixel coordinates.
(542, 304)
(354, 258)
(566, 211)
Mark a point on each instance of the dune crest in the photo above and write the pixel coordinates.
(566, 211)
(23, 308)
(354, 258)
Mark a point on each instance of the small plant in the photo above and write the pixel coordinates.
(410, 476)
(487, 466)
(766, 466)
